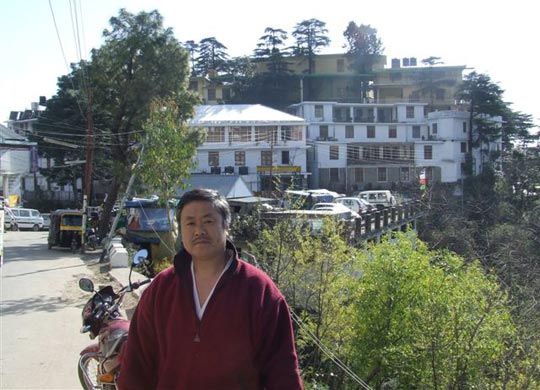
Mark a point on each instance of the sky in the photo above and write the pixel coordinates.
(39, 38)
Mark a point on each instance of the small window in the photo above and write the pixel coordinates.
(434, 128)
(334, 174)
(285, 157)
(340, 65)
(381, 174)
(349, 131)
(323, 131)
(193, 85)
(211, 94)
(239, 158)
(416, 131)
(464, 147)
(404, 174)
(371, 131)
(464, 127)
(428, 152)
(213, 159)
(319, 111)
(410, 112)
(266, 158)
(392, 132)
(334, 152)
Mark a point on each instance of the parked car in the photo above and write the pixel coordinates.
(355, 204)
(335, 207)
(26, 219)
(46, 221)
(379, 198)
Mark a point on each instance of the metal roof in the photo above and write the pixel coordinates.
(224, 114)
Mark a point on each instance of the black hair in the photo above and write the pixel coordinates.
(207, 195)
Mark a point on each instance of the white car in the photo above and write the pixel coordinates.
(355, 204)
(335, 207)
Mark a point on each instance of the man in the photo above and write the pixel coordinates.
(211, 321)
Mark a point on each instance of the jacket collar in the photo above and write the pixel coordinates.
(182, 260)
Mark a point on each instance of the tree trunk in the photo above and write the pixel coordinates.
(108, 206)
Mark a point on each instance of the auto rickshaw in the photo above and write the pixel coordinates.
(149, 227)
(66, 229)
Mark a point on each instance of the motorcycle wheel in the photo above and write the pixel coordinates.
(88, 364)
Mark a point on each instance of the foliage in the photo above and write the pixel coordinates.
(364, 45)
(169, 147)
(311, 36)
(139, 61)
(426, 320)
(65, 118)
(270, 42)
(211, 57)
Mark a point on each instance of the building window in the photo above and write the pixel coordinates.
(334, 152)
(193, 85)
(266, 134)
(319, 111)
(213, 159)
(358, 175)
(349, 131)
(371, 131)
(464, 127)
(334, 174)
(266, 158)
(240, 134)
(387, 152)
(323, 133)
(464, 147)
(239, 158)
(428, 152)
(353, 153)
(285, 157)
(410, 112)
(211, 94)
(215, 134)
(404, 174)
(340, 65)
(392, 132)
(381, 174)
(416, 131)
(291, 133)
(434, 129)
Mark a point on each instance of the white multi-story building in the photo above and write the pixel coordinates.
(359, 146)
(260, 143)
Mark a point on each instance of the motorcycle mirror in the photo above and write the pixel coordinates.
(140, 257)
(86, 285)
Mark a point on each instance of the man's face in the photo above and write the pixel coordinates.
(203, 234)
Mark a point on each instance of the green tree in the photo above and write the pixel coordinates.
(485, 101)
(424, 319)
(311, 36)
(316, 272)
(271, 42)
(169, 148)
(211, 57)
(365, 47)
(139, 61)
(65, 119)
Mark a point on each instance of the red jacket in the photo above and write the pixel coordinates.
(244, 340)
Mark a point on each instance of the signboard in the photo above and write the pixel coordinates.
(279, 169)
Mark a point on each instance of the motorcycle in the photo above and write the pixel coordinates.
(91, 239)
(99, 363)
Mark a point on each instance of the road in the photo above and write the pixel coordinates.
(40, 312)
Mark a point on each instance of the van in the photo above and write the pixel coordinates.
(26, 219)
(379, 198)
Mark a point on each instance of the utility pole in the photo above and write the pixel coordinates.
(89, 150)
(87, 182)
